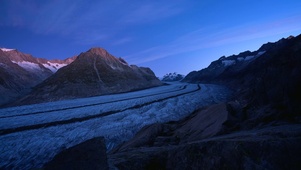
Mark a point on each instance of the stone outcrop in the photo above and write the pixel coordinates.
(88, 155)
(202, 141)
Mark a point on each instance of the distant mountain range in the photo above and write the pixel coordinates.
(20, 72)
(96, 72)
(172, 77)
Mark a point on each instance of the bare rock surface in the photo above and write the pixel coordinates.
(90, 154)
(275, 147)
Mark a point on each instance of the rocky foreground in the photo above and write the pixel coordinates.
(202, 142)
(205, 140)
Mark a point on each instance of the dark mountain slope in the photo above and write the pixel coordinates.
(259, 129)
(272, 79)
(16, 80)
(95, 72)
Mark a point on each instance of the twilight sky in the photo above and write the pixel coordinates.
(167, 36)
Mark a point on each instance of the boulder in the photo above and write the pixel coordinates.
(90, 154)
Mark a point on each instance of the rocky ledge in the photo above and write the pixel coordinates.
(207, 140)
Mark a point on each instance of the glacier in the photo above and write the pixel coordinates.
(23, 148)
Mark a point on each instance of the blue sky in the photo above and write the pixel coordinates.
(167, 36)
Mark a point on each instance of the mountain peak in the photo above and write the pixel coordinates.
(98, 51)
(102, 54)
(96, 70)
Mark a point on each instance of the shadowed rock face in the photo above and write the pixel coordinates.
(95, 72)
(14, 80)
(202, 124)
(268, 79)
(201, 142)
(222, 154)
(88, 155)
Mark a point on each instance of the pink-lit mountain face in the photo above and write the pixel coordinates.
(95, 72)
(20, 72)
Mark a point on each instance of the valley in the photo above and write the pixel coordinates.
(150, 85)
(35, 133)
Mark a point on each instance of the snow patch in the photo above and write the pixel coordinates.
(228, 62)
(28, 65)
(260, 53)
(249, 58)
(240, 59)
(54, 66)
(114, 68)
(6, 49)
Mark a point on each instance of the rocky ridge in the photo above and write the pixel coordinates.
(20, 72)
(95, 72)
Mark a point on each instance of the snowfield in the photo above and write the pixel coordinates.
(54, 66)
(29, 66)
(32, 135)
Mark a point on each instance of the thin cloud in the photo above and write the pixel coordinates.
(89, 38)
(196, 40)
(122, 41)
(145, 13)
(85, 22)
(42, 17)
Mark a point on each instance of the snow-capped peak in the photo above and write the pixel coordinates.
(6, 49)
(172, 77)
